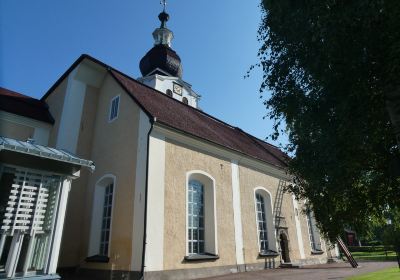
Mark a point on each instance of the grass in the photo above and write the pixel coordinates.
(385, 274)
(375, 256)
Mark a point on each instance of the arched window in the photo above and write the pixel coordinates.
(196, 217)
(185, 100)
(313, 233)
(261, 223)
(169, 92)
(264, 220)
(201, 216)
(100, 232)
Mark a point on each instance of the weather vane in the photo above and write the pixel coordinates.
(164, 3)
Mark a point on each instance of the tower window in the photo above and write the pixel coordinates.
(114, 108)
(169, 92)
(185, 100)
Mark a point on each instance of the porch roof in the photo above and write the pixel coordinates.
(31, 149)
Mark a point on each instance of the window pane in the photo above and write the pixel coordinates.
(195, 217)
(261, 223)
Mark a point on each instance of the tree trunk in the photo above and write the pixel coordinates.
(393, 109)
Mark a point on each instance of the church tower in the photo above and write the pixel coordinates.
(161, 67)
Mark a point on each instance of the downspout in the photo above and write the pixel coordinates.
(152, 121)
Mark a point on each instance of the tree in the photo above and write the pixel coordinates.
(333, 70)
(391, 234)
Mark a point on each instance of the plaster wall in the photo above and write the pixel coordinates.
(15, 130)
(179, 160)
(56, 104)
(114, 150)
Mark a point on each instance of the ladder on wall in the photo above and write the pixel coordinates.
(347, 253)
(278, 204)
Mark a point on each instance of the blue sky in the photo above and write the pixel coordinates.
(216, 40)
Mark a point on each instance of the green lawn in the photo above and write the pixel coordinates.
(385, 274)
(375, 256)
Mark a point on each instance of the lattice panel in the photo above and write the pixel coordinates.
(32, 197)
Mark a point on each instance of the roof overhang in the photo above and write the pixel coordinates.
(34, 156)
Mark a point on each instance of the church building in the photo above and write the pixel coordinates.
(176, 193)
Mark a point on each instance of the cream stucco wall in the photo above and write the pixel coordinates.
(114, 150)
(56, 101)
(15, 130)
(180, 160)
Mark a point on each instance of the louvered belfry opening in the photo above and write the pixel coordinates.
(28, 202)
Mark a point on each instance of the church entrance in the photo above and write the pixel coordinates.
(284, 244)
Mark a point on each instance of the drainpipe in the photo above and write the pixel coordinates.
(152, 121)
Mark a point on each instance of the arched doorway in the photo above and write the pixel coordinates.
(284, 245)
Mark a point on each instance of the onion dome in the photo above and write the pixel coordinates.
(161, 56)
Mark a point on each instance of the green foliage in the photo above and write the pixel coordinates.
(385, 274)
(328, 65)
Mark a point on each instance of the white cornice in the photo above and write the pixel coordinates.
(14, 118)
(220, 151)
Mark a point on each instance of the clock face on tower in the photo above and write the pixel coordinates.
(177, 88)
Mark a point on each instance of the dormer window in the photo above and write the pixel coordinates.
(114, 108)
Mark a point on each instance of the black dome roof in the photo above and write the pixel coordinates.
(162, 57)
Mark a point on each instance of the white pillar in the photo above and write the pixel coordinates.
(13, 256)
(58, 227)
(237, 213)
(154, 258)
(298, 227)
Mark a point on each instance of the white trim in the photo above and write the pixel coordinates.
(218, 151)
(110, 120)
(58, 228)
(97, 215)
(188, 175)
(154, 259)
(140, 190)
(272, 244)
(70, 122)
(298, 228)
(237, 213)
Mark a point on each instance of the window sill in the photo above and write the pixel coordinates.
(268, 253)
(318, 252)
(98, 259)
(205, 256)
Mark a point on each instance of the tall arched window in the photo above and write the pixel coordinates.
(201, 236)
(264, 222)
(313, 233)
(100, 232)
(261, 223)
(185, 100)
(196, 217)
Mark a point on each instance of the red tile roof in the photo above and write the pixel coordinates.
(186, 119)
(19, 104)
(175, 114)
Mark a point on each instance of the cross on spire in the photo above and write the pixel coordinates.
(164, 3)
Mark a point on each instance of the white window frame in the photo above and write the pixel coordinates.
(50, 254)
(112, 117)
(272, 243)
(97, 215)
(210, 211)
